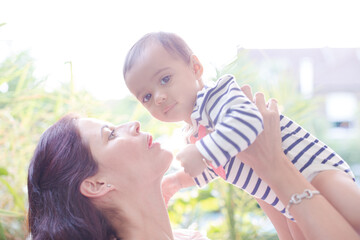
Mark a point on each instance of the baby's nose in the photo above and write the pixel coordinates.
(160, 98)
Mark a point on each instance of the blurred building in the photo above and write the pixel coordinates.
(333, 73)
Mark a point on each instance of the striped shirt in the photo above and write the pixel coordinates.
(233, 123)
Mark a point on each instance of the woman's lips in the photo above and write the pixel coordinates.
(149, 141)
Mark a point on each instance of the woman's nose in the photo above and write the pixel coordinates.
(135, 128)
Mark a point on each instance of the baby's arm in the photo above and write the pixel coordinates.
(191, 160)
(235, 119)
(173, 182)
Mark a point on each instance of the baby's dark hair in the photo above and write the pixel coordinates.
(170, 41)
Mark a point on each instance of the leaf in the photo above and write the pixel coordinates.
(6, 213)
(3, 172)
(23, 77)
(2, 232)
(18, 199)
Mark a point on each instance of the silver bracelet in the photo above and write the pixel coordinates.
(297, 198)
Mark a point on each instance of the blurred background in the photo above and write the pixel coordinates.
(67, 56)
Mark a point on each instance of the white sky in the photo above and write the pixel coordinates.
(95, 35)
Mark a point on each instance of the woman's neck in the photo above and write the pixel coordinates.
(143, 215)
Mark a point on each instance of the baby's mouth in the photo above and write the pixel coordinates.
(168, 108)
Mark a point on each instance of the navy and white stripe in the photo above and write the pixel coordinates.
(234, 123)
(234, 120)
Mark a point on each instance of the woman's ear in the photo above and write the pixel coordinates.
(92, 188)
(197, 67)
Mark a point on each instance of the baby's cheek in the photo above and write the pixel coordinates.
(152, 111)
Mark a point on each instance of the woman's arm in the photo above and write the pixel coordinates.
(316, 217)
(278, 220)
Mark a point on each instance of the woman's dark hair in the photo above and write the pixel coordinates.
(170, 41)
(57, 209)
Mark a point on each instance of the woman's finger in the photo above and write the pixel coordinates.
(247, 91)
(260, 101)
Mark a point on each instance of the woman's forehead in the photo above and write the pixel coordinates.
(90, 129)
(93, 122)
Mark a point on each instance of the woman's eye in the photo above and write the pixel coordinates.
(147, 98)
(165, 80)
(112, 134)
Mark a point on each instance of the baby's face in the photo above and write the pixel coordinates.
(164, 83)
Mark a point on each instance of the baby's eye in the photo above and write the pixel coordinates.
(147, 98)
(165, 80)
(112, 135)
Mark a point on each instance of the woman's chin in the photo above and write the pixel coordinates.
(169, 159)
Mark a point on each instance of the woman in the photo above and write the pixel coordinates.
(91, 180)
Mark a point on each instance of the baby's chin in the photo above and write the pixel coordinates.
(171, 117)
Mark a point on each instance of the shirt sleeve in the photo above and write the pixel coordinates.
(205, 177)
(235, 119)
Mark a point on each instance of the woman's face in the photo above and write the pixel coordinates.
(124, 153)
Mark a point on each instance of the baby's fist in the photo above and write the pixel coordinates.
(191, 160)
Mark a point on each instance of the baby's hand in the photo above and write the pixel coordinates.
(191, 160)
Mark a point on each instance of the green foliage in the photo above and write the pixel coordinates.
(224, 211)
(26, 110)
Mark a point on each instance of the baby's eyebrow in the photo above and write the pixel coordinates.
(139, 93)
(160, 70)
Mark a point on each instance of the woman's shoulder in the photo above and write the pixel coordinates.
(187, 234)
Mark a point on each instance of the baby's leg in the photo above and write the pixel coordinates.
(342, 192)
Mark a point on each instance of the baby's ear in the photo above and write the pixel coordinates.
(197, 66)
(92, 188)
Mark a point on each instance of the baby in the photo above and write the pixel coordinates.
(162, 72)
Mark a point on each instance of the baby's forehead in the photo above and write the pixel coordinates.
(156, 45)
(147, 52)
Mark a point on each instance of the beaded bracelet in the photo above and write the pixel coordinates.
(297, 198)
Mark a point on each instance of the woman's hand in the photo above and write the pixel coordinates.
(316, 217)
(263, 155)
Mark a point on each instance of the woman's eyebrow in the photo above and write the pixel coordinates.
(102, 128)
